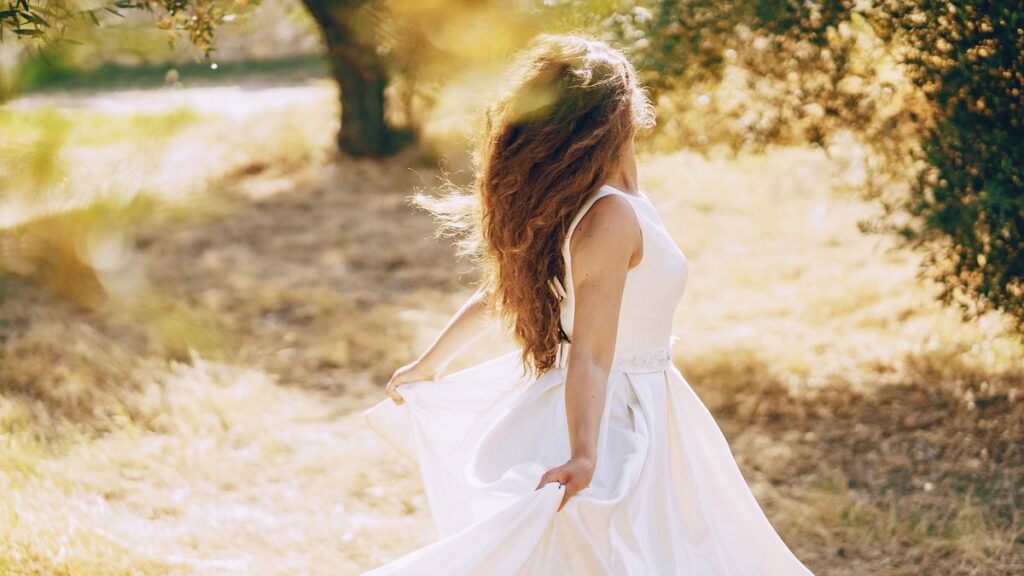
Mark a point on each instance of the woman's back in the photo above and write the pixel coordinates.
(653, 287)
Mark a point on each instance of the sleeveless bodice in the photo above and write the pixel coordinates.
(653, 287)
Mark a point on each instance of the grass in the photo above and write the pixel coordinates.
(92, 128)
(880, 432)
(811, 338)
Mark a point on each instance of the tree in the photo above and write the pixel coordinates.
(934, 89)
(350, 31)
(968, 58)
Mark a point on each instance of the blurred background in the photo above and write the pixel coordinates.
(209, 264)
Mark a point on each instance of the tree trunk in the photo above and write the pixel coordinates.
(349, 31)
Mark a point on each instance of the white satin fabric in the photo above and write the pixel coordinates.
(667, 497)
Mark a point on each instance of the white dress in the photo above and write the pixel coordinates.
(666, 498)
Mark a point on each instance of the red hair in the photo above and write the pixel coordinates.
(550, 141)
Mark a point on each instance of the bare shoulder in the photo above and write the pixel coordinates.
(609, 228)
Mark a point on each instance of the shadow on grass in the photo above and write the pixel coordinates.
(920, 473)
(313, 284)
(51, 74)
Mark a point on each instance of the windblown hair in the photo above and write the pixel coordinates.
(549, 142)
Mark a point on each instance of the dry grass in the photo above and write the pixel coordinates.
(881, 433)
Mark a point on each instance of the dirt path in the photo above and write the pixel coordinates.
(244, 476)
(258, 463)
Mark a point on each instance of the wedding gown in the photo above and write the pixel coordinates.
(666, 497)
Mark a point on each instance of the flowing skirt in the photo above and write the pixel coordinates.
(666, 498)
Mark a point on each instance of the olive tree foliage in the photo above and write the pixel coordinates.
(40, 26)
(44, 22)
(934, 91)
(968, 58)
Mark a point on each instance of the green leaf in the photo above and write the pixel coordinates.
(35, 19)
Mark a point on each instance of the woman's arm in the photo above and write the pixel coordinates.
(467, 325)
(602, 247)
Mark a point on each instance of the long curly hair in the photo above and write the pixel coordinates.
(551, 139)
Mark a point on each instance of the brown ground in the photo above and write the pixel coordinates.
(881, 434)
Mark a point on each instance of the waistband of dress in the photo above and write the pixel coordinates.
(651, 360)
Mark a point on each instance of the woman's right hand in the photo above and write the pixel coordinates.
(412, 372)
(574, 476)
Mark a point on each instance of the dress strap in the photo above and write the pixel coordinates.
(554, 283)
(557, 286)
(600, 193)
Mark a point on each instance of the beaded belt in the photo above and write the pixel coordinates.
(653, 360)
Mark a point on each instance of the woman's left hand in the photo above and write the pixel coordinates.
(574, 475)
(412, 372)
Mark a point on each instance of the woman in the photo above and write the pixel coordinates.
(584, 451)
